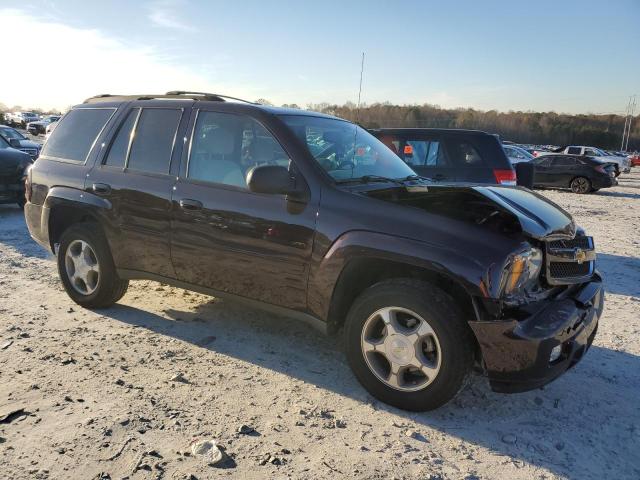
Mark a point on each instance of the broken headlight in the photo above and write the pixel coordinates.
(522, 271)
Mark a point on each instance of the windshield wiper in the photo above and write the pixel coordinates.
(371, 179)
(418, 177)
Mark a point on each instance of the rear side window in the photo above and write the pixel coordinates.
(154, 139)
(564, 162)
(117, 155)
(77, 132)
(573, 150)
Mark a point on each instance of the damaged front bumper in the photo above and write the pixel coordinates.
(517, 354)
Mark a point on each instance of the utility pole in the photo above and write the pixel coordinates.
(628, 120)
(633, 111)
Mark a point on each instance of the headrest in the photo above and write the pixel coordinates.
(218, 141)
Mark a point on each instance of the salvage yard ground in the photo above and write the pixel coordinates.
(124, 391)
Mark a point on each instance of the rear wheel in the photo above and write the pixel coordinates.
(580, 185)
(86, 267)
(408, 344)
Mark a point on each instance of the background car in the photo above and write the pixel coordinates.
(517, 154)
(622, 163)
(19, 141)
(581, 174)
(450, 155)
(13, 164)
(20, 119)
(36, 128)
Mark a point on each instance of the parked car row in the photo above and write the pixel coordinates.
(32, 122)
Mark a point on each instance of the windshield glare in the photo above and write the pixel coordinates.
(344, 150)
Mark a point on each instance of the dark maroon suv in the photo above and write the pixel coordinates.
(311, 216)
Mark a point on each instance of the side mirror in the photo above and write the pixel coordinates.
(274, 180)
(14, 142)
(525, 173)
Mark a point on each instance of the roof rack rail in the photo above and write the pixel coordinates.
(175, 94)
(209, 96)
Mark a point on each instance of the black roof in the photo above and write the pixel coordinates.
(201, 97)
(410, 131)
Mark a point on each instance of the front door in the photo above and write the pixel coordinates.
(225, 237)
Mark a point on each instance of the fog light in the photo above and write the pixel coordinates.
(555, 353)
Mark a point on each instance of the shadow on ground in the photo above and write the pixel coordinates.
(619, 194)
(621, 274)
(553, 428)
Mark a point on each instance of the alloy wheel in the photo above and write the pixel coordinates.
(401, 349)
(83, 269)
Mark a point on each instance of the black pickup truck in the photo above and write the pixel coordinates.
(313, 217)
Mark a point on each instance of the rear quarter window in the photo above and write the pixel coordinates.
(76, 133)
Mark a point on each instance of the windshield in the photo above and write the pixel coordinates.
(344, 150)
(8, 133)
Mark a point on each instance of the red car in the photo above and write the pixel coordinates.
(635, 160)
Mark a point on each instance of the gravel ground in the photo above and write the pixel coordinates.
(123, 392)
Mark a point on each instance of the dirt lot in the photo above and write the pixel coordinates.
(101, 391)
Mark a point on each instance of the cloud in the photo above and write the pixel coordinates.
(81, 62)
(164, 13)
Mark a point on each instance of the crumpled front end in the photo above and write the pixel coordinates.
(541, 333)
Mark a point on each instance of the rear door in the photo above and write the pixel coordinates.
(562, 171)
(135, 175)
(542, 167)
(228, 238)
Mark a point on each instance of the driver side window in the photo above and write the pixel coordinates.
(225, 146)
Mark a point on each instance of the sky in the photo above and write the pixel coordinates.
(574, 56)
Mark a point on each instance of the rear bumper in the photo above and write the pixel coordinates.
(604, 182)
(37, 220)
(516, 353)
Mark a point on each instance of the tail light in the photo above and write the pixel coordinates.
(505, 177)
(28, 190)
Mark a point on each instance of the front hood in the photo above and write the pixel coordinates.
(503, 208)
(29, 144)
(539, 217)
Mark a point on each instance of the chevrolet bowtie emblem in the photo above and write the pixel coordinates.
(580, 255)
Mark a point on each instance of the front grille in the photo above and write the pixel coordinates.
(569, 261)
(569, 270)
(584, 243)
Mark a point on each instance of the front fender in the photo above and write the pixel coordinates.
(467, 271)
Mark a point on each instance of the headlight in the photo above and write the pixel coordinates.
(522, 271)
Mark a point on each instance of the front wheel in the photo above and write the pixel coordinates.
(86, 267)
(580, 185)
(408, 344)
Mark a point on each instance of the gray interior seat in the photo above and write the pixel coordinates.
(214, 159)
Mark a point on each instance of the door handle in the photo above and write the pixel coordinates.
(101, 188)
(188, 204)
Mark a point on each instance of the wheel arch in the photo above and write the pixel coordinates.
(362, 273)
(65, 207)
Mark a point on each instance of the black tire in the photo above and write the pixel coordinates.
(445, 318)
(110, 288)
(580, 185)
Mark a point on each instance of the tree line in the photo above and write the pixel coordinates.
(541, 128)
